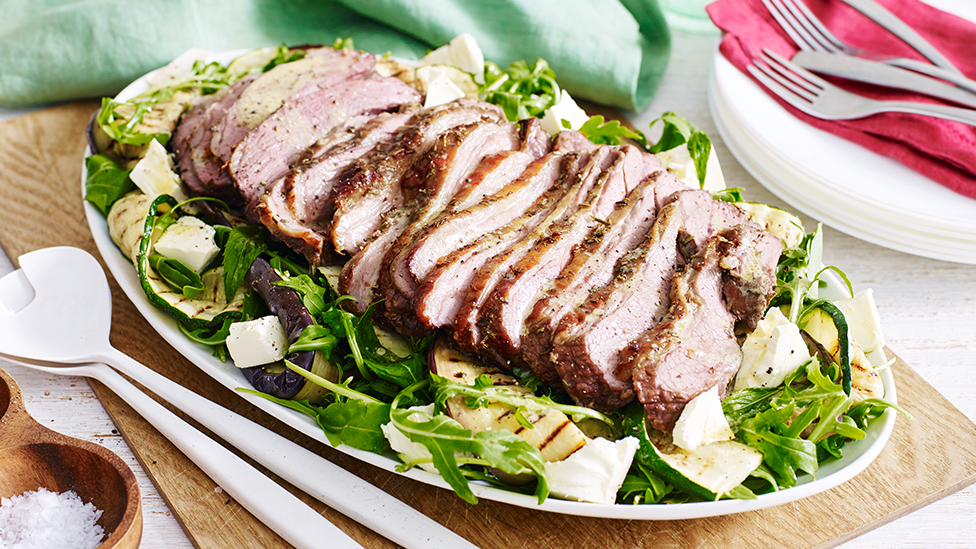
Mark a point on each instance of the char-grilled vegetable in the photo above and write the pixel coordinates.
(549, 430)
(287, 305)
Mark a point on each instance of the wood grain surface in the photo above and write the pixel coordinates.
(40, 161)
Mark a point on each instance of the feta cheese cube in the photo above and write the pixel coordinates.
(564, 109)
(771, 353)
(593, 473)
(441, 90)
(189, 241)
(154, 174)
(702, 422)
(462, 52)
(409, 450)
(257, 342)
(863, 320)
(678, 161)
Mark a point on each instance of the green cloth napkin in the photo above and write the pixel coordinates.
(609, 51)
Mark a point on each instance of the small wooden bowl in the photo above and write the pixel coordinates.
(33, 457)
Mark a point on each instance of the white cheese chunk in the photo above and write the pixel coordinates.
(154, 174)
(593, 473)
(409, 450)
(678, 161)
(462, 52)
(441, 90)
(257, 342)
(702, 422)
(564, 109)
(863, 320)
(771, 353)
(786, 226)
(189, 241)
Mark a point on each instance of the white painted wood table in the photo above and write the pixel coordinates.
(928, 310)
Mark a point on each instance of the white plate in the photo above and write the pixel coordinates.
(848, 187)
(858, 455)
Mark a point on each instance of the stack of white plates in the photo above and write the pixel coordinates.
(846, 186)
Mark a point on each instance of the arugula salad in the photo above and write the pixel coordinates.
(805, 388)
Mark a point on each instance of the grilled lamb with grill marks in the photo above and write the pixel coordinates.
(373, 187)
(592, 266)
(432, 181)
(503, 316)
(452, 160)
(202, 170)
(320, 67)
(587, 342)
(694, 348)
(441, 294)
(273, 147)
(298, 206)
(466, 330)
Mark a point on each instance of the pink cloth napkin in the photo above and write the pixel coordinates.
(942, 150)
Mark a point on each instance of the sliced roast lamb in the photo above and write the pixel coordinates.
(320, 67)
(453, 159)
(430, 183)
(493, 196)
(189, 125)
(373, 187)
(442, 291)
(587, 342)
(298, 206)
(592, 266)
(572, 167)
(502, 317)
(694, 348)
(274, 146)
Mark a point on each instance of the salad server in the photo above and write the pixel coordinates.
(810, 34)
(64, 291)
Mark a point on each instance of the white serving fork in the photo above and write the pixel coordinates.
(821, 99)
(810, 34)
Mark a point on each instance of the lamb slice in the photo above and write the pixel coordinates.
(320, 67)
(587, 342)
(477, 213)
(272, 148)
(572, 140)
(466, 329)
(433, 180)
(592, 266)
(497, 170)
(453, 159)
(495, 178)
(441, 292)
(502, 317)
(298, 206)
(373, 187)
(179, 144)
(750, 273)
(694, 348)
(360, 274)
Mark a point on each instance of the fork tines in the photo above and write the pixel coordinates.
(803, 27)
(794, 84)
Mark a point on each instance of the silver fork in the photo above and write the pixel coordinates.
(821, 99)
(809, 33)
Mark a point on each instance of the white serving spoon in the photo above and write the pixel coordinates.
(57, 309)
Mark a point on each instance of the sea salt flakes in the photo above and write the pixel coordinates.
(45, 519)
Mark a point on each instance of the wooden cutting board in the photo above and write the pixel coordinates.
(926, 459)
